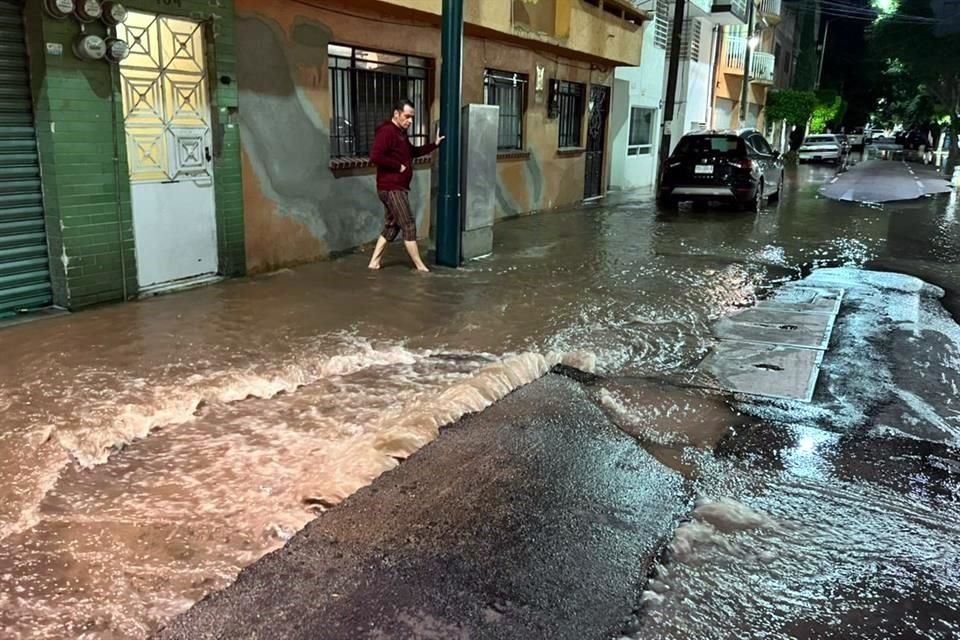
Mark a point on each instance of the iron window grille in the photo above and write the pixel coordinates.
(365, 85)
(509, 92)
(570, 98)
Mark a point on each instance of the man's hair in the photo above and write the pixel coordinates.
(403, 104)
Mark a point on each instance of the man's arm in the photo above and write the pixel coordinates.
(425, 150)
(380, 153)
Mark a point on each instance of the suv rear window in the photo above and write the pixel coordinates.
(830, 138)
(730, 146)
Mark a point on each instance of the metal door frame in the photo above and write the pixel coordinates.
(596, 150)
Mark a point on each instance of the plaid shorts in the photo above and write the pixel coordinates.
(398, 216)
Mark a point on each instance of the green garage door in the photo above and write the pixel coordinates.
(24, 263)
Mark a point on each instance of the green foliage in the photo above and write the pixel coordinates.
(922, 75)
(792, 105)
(829, 111)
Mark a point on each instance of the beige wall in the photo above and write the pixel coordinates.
(298, 209)
(576, 26)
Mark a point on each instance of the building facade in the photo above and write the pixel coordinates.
(772, 64)
(189, 140)
(116, 178)
(317, 78)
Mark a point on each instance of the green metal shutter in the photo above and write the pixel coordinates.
(24, 261)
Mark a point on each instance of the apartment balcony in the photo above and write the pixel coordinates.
(729, 12)
(700, 9)
(762, 67)
(762, 64)
(771, 11)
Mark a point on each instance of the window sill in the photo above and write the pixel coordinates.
(571, 152)
(362, 162)
(513, 154)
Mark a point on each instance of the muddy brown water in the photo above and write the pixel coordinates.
(151, 450)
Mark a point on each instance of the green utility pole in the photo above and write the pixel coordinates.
(451, 84)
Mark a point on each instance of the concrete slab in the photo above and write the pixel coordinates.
(537, 518)
(771, 325)
(770, 371)
(801, 299)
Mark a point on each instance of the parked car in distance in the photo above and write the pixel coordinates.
(821, 147)
(736, 166)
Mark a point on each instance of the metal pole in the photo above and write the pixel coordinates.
(745, 89)
(673, 72)
(451, 84)
(823, 52)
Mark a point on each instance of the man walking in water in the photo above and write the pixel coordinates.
(393, 155)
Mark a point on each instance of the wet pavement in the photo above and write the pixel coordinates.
(150, 451)
(877, 181)
(536, 519)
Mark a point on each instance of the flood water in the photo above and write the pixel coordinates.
(151, 450)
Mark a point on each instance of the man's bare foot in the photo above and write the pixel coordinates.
(423, 269)
(374, 266)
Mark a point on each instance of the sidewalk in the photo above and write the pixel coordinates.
(876, 181)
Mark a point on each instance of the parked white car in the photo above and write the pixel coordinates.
(821, 148)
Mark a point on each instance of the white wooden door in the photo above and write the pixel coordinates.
(167, 124)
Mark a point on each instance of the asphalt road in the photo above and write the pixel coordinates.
(536, 519)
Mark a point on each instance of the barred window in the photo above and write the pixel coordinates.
(570, 96)
(365, 85)
(509, 92)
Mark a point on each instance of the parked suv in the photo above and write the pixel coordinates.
(738, 166)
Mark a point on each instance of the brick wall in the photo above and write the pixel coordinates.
(80, 132)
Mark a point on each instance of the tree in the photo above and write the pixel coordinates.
(928, 59)
(793, 108)
(828, 112)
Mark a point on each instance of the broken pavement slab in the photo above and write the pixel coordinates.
(777, 326)
(537, 518)
(769, 370)
(877, 181)
(775, 349)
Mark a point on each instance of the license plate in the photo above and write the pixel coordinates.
(702, 169)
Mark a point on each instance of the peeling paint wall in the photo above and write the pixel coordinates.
(299, 210)
(543, 179)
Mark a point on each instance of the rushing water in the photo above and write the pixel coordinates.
(151, 450)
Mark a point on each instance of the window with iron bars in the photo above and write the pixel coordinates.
(509, 92)
(364, 86)
(570, 96)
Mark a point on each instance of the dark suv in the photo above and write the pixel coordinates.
(738, 166)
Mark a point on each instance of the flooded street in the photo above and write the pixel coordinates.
(197, 432)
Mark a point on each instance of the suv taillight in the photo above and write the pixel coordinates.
(745, 163)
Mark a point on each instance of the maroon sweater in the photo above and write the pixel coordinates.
(391, 149)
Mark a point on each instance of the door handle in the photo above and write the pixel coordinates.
(206, 151)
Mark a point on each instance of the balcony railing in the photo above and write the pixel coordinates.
(735, 54)
(729, 12)
(770, 9)
(762, 66)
